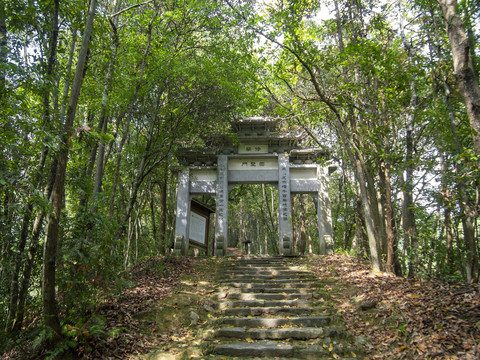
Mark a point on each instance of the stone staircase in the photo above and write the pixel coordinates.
(268, 308)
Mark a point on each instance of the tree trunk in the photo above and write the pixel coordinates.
(152, 215)
(68, 76)
(127, 247)
(129, 118)
(294, 228)
(389, 218)
(50, 250)
(409, 226)
(468, 214)
(100, 165)
(462, 63)
(48, 76)
(303, 231)
(3, 54)
(370, 218)
(269, 222)
(338, 19)
(31, 254)
(19, 257)
(447, 217)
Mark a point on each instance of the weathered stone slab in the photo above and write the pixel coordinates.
(270, 282)
(264, 296)
(262, 303)
(269, 322)
(259, 311)
(258, 349)
(265, 271)
(259, 276)
(272, 333)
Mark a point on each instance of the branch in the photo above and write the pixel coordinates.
(307, 67)
(129, 8)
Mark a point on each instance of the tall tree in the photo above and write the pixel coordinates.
(462, 62)
(50, 253)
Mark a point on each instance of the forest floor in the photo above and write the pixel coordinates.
(163, 314)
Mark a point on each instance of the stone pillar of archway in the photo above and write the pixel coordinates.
(284, 209)
(221, 219)
(183, 213)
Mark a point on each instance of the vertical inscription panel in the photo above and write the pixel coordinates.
(221, 224)
(285, 229)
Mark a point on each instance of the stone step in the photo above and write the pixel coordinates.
(259, 262)
(264, 296)
(304, 333)
(262, 349)
(257, 349)
(265, 289)
(265, 277)
(270, 322)
(273, 281)
(254, 268)
(262, 267)
(265, 270)
(262, 303)
(223, 357)
(264, 310)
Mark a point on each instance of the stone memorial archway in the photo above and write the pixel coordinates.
(259, 155)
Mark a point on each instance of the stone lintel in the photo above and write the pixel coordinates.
(203, 187)
(303, 187)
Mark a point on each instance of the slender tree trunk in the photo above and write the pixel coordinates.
(269, 222)
(294, 228)
(338, 19)
(127, 247)
(19, 257)
(468, 213)
(100, 165)
(302, 244)
(389, 219)
(3, 53)
(31, 254)
(129, 117)
(49, 72)
(137, 235)
(50, 250)
(370, 218)
(68, 76)
(409, 227)
(152, 214)
(447, 217)
(462, 63)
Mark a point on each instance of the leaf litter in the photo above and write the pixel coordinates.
(402, 318)
(127, 336)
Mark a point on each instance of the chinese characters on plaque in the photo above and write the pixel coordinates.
(253, 149)
(283, 188)
(253, 163)
(221, 206)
